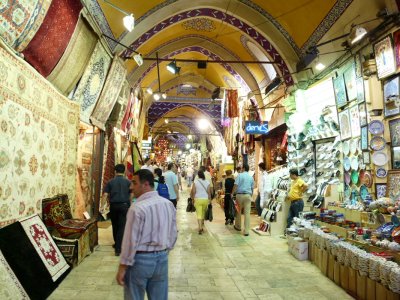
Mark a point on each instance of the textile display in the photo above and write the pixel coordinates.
(118, 112)
(72, 228)
(20, 20)
(83, 246)
(50, 41)
(27, 265)
(109, 171)
(10, 287)
(233, 110)
(92, 81)
(38, 140)
(109, 95)
(68, 248)
(72, 64)
(54, 211)
(134, 121)
(44, 246)
(126, 122)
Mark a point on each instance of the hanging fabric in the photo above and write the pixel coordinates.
(233, 110)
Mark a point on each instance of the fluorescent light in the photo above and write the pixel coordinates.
(129, 22)
(320, 66)
(164, 96)
(203, 124)
(156, 96)
(139, 59)
(356, 34)
(173, 68)
(166, 121)
(149, 91)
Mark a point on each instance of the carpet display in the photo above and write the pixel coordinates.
(45, 246)
(109, 171)
(68, 248)
(110, 93)
(72, 64)
(10, 287)
(48, 45)
(38, 140)
(92, 81)
(20, 20)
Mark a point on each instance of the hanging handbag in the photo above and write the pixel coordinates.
(209, 213)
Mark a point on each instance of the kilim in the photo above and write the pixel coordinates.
(10, 287)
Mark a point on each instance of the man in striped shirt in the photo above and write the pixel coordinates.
(150, 233)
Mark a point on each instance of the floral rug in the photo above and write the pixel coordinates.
(10, 287)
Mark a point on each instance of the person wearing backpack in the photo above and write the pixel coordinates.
(159, 184)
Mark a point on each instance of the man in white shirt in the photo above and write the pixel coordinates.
(189, 175)
(147, 165)
(171, 180)
(264, 188)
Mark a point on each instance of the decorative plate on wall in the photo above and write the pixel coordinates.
(376, 127)
(377, 143)
(381, 172)
(379, 158)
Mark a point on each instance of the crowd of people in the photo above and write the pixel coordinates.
(146, 231)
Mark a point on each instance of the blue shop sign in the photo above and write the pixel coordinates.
(256, 127)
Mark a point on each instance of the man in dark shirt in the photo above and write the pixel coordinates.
(228, 201)
(118, 192)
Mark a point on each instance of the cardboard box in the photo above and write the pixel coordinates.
(361, 286)
(336, 272)
(391, 295)
(331, 266)
(344, 277)
(298, 248)
(324, 262)
(380, 291)
(352, 282)
(370, 289)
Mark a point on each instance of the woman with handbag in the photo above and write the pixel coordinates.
(201, 193)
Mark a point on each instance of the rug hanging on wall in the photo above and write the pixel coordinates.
(92, 81)
(45, 246)
(38, 149)
(109, 94)
(48, 45)
(20, 20)
(10, 287)
(75, 58)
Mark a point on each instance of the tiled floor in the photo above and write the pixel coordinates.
(220, 264)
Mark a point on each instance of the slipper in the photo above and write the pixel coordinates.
(237, 228)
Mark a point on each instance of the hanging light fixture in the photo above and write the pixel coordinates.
(173, 68)
(319, 66)
(128, 20)
(158, 95)
(356, 34)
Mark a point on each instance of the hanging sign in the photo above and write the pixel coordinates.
(256, 127)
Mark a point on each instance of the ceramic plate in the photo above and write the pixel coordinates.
(346, 163)
(354, 146)
(354, 177)
(354, 163)
(376, 127)
(379, 158)
(347, 191)
(395, 220)
(377, 143)
(346, 147)
(347, 179)
(381, 172)
(363, 192)
(366, 179)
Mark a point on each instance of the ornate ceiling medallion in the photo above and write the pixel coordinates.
(199, 24)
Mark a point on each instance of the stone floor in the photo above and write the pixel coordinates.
(220, 264)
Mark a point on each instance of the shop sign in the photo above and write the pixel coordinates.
(146, 145)
(256, 127)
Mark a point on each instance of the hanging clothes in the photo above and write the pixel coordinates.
(233, 110)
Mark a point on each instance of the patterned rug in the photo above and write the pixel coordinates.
(109, 94)
(45, 246)
(51, 40)
(38, 140)
(75, 58)
(92, 81)
(10, 287)
(20, 20)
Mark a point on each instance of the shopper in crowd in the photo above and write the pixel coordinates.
(201, 195)
(150, 234)
(209, 179)
(178, 173)
(172, 182)
(264, 188)
(147, 165)
(189, 175)
(117, 191)
(229, 208)
(244, 185)
(295, 196)
(238, 170)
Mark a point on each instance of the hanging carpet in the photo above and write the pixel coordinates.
(92, 81)
(109, 94)
(233, 110)
(48, 45)
(10, 287)
(75, 58)
(20, 20)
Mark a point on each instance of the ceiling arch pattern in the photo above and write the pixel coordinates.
(159, 109)
(180, 89)
(201, 50)
(229, 19)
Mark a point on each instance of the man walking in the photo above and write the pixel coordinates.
(117, 192)
(150, 234)
(148, 165)
(264, 188)
(243, 187)
(295, 196)
(172, 182)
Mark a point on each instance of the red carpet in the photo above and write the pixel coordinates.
(51, 40)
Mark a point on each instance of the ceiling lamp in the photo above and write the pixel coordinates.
(273, 85)
(158, 95)
(203, 124)
(128, 20)
(356, 34)
(149, 91)
(138, 59)
(173, 68)
(319, 66)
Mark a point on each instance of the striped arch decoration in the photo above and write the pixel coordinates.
(229, 19)
(157, 110)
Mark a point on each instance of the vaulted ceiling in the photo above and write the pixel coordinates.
(231, 31)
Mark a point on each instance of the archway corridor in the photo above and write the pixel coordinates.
(220, 264)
